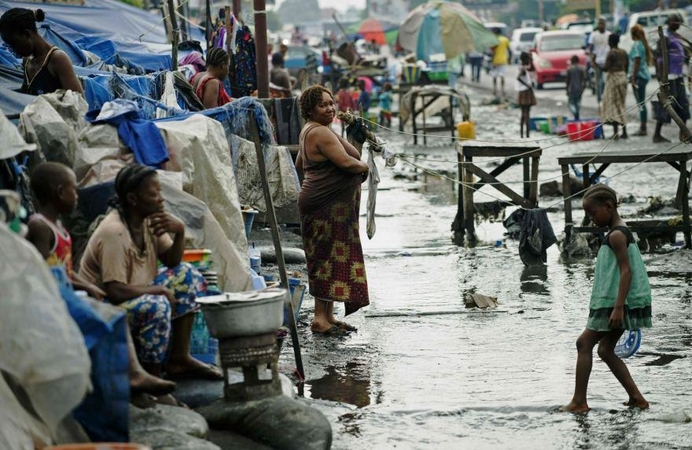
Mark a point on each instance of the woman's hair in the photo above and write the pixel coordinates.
(217, 57)
(613, 40)
(310, 98)
(129, 179)
(602, 193)
(343, 83)
(16, 20)
(638, 34)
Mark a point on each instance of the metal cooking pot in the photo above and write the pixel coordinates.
(250, 313)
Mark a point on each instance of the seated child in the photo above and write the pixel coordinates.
(55, 189)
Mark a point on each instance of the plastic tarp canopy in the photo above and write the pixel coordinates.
(13, 103)
(127, 23)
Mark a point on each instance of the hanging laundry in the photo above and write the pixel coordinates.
(243, 62)
(535, 234)
(288, 123)
(139, 135)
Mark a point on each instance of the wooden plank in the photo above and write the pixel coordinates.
(566, 193)
(516, 198)
(533, 192)
(458, 224)
(500, 152)
(683, 193)
(506, 164)
(598, 173)
(626, 157)
(527, 176)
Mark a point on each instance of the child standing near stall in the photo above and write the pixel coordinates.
(576, 83)
(386, 105)
(620, 299)
(525, 97)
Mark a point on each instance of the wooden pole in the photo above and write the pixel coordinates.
(271, 214)
(183, 23)
(209, 28)
(237, 8)
(261, 48)
(174, 33)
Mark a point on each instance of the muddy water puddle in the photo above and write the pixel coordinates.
(425, 372)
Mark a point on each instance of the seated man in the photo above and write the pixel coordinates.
(121, 258)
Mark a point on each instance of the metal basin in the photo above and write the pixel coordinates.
(244, 313)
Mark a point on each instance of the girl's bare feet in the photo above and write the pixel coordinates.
(640, 403)
(576, 408)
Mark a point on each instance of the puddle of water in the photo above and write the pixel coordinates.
(423, 372)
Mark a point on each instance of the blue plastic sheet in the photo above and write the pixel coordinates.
(104, 413)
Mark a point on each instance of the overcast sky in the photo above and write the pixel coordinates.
(341, 5)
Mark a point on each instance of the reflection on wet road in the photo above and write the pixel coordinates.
(424, 372)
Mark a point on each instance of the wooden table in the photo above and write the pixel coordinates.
(529, 154)
(676, 158)
(427, 99)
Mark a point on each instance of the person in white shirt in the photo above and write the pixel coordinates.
(598, 50)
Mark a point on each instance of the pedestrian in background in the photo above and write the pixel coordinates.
(386, 105)
(615, 92)
(598, 51)
(640, 60)
(476, 61)
(576, 83)
(501, 55)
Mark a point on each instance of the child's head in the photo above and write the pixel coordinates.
(387, 87)
(55, 185)
(361, 85)
(525, 58)
(343, 83)
(600, 204)
(574, 59)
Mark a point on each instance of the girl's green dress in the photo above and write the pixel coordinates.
(606, 284)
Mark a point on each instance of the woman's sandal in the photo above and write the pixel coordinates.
(333, 331)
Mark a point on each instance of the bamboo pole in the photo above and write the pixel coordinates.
(271, 214)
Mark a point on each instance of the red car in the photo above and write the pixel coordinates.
(552, 51)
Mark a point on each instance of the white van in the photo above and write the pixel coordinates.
(521, 41)
(650, 21)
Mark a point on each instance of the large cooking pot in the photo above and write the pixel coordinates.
(249, 313)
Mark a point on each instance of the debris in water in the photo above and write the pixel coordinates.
(480, 301)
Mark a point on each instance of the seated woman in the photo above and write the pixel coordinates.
(46, 68)
(208, 85)
(120, 258)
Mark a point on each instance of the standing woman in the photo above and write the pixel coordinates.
(615, 91)
(640, 60)
(329, 203)
(208, 85)
(46, 68)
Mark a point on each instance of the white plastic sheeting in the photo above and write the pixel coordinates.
(42, 348)
(12, 142)
(52, 122)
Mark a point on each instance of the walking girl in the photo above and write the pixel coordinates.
(615, 91)
(525, 98)
(620, 299)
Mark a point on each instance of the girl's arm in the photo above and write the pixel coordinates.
(521, 80)
(618, 243)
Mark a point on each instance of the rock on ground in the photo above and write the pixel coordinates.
(171, 440)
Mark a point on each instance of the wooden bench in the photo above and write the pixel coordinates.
(529, 154)
(676, 158)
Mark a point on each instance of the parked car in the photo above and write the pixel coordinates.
(521, 41)
(650, 20)
(551, 52)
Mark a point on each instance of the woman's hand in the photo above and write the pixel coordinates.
(169, 294)
(162, 222)
(617, 318)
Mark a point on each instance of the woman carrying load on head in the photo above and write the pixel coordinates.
(208, 85)
(329, 202)
(121, 258)
(46, 68)
(615, 92)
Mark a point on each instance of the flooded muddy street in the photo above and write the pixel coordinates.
(425, 372)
